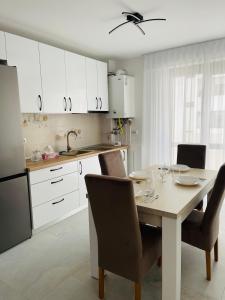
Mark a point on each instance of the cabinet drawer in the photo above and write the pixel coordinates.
(55, 209)
(44, 191)
(52, 172)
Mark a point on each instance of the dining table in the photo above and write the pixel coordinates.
(167, 207)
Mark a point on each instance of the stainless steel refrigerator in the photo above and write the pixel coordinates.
(15, 218)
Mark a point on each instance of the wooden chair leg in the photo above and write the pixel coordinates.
(101, 283)
(137, 291)
(208, 265)
(159, 262)
(216, 250)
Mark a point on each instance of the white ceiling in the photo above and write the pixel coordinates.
(83, 25)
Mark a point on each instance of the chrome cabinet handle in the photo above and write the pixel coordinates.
(40, 102)
(70, 104)
(81, 168)
(56, 202)
(97, 102)
(65, 104)
(100, 102)
(56, 169)
(60, 180)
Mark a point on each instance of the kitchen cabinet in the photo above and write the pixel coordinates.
(24, 54)
(97, 85)
(86, 166)
(103, 85)
(2, 45)
(60, 190)
(55, 209)
(53, 75)
(54, 193)
(75, 83)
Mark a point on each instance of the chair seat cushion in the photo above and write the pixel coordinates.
(151, 246)
(192, 232)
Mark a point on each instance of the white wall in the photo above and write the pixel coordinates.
(134, 67)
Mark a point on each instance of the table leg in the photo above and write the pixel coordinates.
(93, 245)
(171, 258)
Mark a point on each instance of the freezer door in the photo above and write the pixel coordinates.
(15, 220)
(11, 142)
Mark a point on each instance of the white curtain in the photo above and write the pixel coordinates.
(184, 102)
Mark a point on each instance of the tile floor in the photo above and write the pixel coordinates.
(54, 265)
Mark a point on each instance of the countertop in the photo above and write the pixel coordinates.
(34, 166)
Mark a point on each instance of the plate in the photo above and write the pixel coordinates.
(139, 175)
(187, 180)
(179, 168)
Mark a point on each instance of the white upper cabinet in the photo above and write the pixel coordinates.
(53, 79)
(2, 45)
(92, 84)
(102, 85)
(23, 53)
(75, 83)
(97, 86)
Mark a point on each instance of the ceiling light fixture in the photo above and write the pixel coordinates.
(135, 19)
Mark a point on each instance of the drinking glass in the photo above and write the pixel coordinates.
(163, 171)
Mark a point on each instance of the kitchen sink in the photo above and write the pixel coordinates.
(101, 147)
(75, 152)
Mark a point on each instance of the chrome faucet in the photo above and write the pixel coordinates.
(67, 138)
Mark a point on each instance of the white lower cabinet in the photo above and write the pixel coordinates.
(86, 166)
(55, 209)
(61, 190)
(50, 189)
(54, 193)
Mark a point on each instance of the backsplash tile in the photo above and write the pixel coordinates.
(42, 130)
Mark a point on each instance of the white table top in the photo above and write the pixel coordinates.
(174, 200)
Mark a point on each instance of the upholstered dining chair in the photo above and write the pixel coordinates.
(112, 164)
(193, 156)
(124, 247)
(201, 229)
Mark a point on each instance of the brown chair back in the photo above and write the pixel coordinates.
(116, 221)
(112, 164)
(210, 223)
(191, 155)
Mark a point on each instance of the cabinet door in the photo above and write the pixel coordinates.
(53, 75)
(76, 83)
(23, 53)
(103, 85)
(124, 156)
(87, 166)
(2, 45)
(92, 85)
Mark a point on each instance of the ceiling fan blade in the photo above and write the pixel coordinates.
(130, 14)
(119, 26)
(142, 31)
(149, 20)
